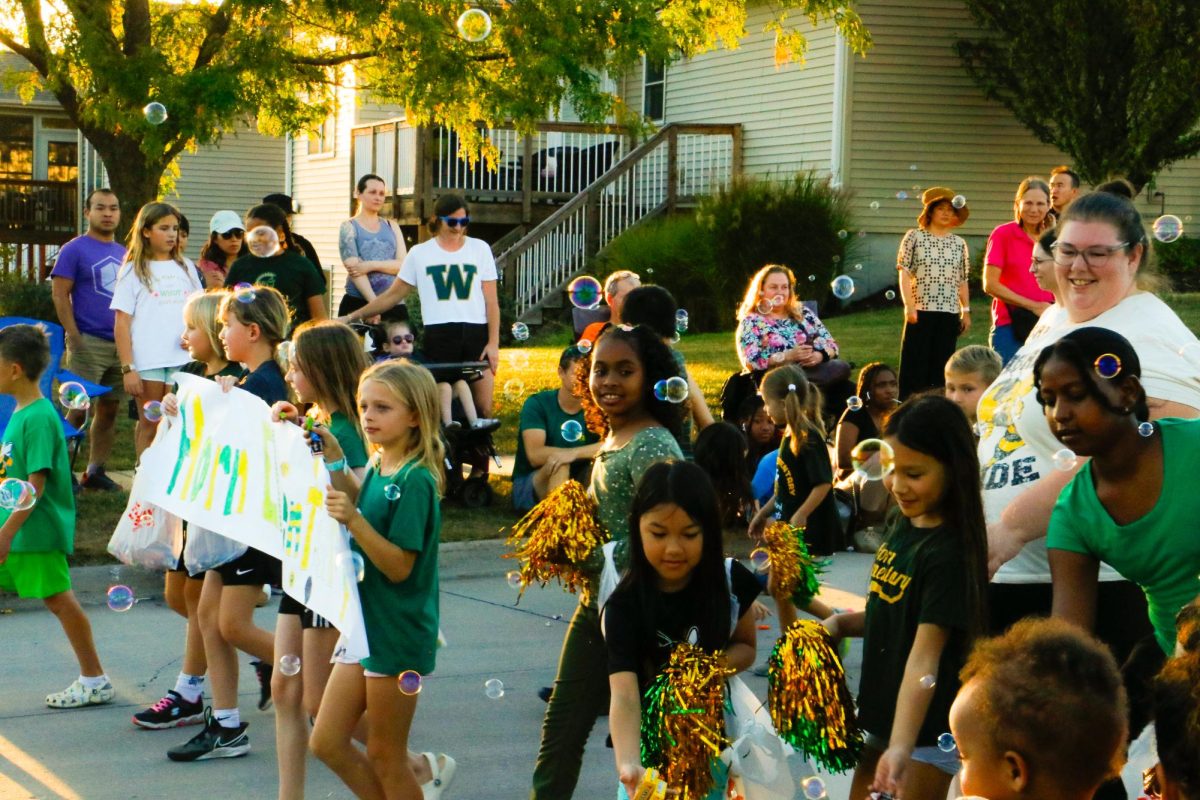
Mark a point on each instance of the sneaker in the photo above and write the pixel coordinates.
(213, 742)
(171, 712)
(453, 425)
(77, 696)
(99, 481)
(485, 424)
(442, 775)
(263, 671)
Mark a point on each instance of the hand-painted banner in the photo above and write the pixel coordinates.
(224, 465)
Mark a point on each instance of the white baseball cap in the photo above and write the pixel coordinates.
(225, 221)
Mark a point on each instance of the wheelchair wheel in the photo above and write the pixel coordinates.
(475, 492)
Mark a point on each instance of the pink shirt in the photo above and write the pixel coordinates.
(1011, 249)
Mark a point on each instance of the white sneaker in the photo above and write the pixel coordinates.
(432, 790)
(484, 422)
(77, 696)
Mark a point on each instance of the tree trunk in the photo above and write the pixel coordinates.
(133, 177)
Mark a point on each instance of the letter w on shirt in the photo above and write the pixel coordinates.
(456, 278)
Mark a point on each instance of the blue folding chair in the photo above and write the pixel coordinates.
(54, 374)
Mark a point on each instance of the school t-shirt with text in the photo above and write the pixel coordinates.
(34, 441)
(157, 311)
(450, 283)
(797, 474)
(296, 278)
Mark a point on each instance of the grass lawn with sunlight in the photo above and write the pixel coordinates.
(864, 336)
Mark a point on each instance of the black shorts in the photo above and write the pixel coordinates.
(308, 619)
(179, 567)
(454, 342)
(251, 568)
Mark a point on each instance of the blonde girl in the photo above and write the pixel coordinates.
(152, 285)
(325, 366)
(804, 475)
(394, 521)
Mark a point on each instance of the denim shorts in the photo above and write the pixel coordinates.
(933, 756)
(159, 374)
(523, 495)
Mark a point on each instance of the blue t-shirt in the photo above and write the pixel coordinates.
(763, 483)
(266, 383)
(92, 265)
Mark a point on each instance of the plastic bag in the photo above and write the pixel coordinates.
(207, 549)
(757, 758)
(147, 536)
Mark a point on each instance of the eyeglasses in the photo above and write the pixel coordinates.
(1098, 256)
(454, 222)
(407, 338)
(236, 233)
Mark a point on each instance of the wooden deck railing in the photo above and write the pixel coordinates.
(38, 212)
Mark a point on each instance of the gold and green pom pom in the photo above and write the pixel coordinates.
(795, 572)
(554, 540)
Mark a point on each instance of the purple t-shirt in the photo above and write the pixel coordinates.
(93, 265)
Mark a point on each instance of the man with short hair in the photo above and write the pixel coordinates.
(1064, 187)
(285, 202)
(616, 286)
(83, 278)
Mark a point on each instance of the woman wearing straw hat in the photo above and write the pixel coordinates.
(933, 266)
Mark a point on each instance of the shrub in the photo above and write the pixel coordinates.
(21, 297)
(1179, 261)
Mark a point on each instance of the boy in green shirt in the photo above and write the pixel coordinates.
(34, 542)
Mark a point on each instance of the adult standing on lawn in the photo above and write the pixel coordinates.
(1017, 300)
(84, 275)
(933, 265)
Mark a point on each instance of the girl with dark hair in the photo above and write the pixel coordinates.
(679, 588)
(638, 431)
(876, 391)
(372, 248)
(226, 243)
(721, 452)
(301, 284)
(925, 602)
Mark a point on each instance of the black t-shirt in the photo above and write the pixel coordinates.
(309, 251)
(199, 368)
(266, 383)
(918, 577)
(795, 477)
(291, 273)
(862, 420)
(631, 649)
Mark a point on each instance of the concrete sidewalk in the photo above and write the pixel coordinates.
(97, 753)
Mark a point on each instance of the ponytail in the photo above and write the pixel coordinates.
(789, 384)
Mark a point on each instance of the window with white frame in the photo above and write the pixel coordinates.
(654, 88)
(322, 140)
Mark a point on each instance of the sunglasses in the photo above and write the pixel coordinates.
(406, 338)
(236, 233)
(454, 222)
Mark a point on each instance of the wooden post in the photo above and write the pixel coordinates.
(672, 168)
(736, 156)
(527, 179)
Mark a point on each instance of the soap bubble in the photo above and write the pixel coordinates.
(474, 25)
(812, 278)
(842, 234)
(777, 301)
(1108, 366)
(912, 167)
(858, 267)
(391, 491)
(916, 189)
(351, 562)
(889, 295)
(584, 346)
(1064, 460)
(520, 331)
(671, 390)
(958, 201)
(928, 681)
(873, 459)
(263, 241)
(155, 113)
(585, 292)
(244, 293)
(409, 682)
(289, 665)
(946, 743)
(764, 307)
(842, 286)
(681, 320)
(837, 259)
(152, 410)
(120, 598)
(1146, 429)
(73, 396)
(854, 402)
(493, 688)
(514, 388)
(980, 429)
(901, 195)
(874, 205)
(1000, 418)
(813, 788)
(17, 495)
(518, 359)
(571, 430)
(1167, 228)
(283, 354)
(760, 559)
(513, 578)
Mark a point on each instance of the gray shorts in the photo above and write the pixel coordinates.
(933, 756)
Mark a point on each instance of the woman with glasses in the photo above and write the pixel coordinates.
(226, 242)
(372, 248)
(1017, 301)
(1101, 265)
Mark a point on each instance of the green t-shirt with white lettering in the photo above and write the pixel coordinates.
(34, 442)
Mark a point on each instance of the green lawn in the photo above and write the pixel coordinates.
(864, 336)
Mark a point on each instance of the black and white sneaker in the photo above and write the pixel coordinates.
(213, 742)
(262, 671)
(172, 711)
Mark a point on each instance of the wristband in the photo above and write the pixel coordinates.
(336, 466)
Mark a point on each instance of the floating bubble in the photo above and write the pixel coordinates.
(778, 300)
(283, 354)
(660, 390)
(263, 241)
(873, 459)
(1064, 460)
(514, 388)
(912, 167)
(17, 495)
(244, 293)
(409, 682)
(889, 295)
(584, 346)
(120, 598)
(513, 578)
(837, 259)
(519, 359)
(854, 403)
(858, 267)
(1146, 429)
(764, 307)
(585, 292)
(1167, 228)
(73, 396)
(681, 320)
(862, 234)
(842, 286)
(928, 681)
(813, 788)
(916, 189)
(493, 688)
(842, 234)
(391, 491)
(980, 429)
(571, 430)
(474, 25)
(671, 390)
(351, 562)
(520, 331)
(1000, 418)
(155, 113)
(946, 743)
(874, 206)
(812, 278)
(958, 201)
(901, 195)
(1108, 366)
(289, 665)
(760, 559)
(152, 410)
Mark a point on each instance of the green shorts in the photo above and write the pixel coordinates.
(36, 575)
(98, 362)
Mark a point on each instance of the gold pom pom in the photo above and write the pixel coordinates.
(555, 539)
(795, 572)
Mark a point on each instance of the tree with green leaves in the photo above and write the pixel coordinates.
(1111, 83)
(279, 62)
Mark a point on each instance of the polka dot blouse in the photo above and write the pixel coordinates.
(939, 264)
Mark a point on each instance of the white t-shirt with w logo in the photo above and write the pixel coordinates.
(450, 283)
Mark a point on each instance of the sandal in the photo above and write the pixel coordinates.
(433, 788)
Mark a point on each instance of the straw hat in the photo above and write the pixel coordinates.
(934, 195)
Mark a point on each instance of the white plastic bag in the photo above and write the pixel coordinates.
(757, 758)
(147, 536)
(207, 549)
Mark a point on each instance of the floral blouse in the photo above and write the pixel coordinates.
(759, 337)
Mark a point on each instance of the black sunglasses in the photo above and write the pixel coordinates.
(454, 222)
(236, 233)
(406, 338)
